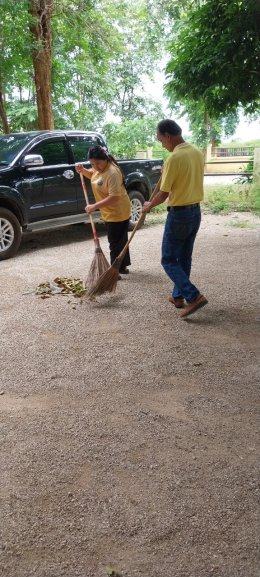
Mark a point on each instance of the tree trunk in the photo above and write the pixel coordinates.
(40, 28)
(3, 116)
(206, 127)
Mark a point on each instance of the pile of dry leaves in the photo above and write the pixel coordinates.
(63, 286)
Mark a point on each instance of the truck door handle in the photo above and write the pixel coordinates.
(68, 174)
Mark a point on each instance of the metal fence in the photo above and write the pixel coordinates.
(220, 152)
(216, 152)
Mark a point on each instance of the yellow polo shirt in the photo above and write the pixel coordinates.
(110, 183)
(183, 174)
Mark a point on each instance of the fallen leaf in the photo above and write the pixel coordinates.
(112, 572)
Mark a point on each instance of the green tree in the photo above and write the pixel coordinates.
(85, 40)
(215, 57)
(76, 60)
(139, 55)
(16, 73)
(205, 128)
(125, 138)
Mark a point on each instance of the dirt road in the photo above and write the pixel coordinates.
(129, 437)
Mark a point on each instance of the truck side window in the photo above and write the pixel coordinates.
(52, 152)
(81, 144)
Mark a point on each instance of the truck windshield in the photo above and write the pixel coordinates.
(10, 146)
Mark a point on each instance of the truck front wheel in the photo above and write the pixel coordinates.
(137, 200)
(10, 233)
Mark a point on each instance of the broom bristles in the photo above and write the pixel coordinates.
(98, 267)
(107, 281)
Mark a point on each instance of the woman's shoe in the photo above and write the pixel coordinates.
(124, 271)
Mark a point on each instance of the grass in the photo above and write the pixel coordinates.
(240, 224)
(157, 215)
(231, 198)
(220, 199)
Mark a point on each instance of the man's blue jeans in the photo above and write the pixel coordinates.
(180, 232)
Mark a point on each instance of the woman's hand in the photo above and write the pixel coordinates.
(79, 168)
(90, 208)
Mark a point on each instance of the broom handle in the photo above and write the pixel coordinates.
(140, 221)
(87, 201)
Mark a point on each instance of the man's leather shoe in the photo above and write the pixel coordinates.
(193, 306)
(178, 303)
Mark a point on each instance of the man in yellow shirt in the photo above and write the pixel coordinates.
(182, 185)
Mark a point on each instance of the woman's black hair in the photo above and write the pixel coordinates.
(101, 153)
(169, 126)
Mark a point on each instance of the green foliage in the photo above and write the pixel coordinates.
(85, 40)
(16, 65)
(215, 57)
(136, 60)
(205, 128)
(101, 53)
(159, 209)
(125, 138)
(103, 50)
(22, 116)
(247, 177)
(256, 196)
(219, 199)
(240, 224)
(159, 151)
(16, 71)
(226, 198)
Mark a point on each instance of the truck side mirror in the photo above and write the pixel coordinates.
(32, 160)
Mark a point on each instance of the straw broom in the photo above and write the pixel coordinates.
(108, 280)
(99, 263)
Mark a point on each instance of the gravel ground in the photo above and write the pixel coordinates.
(129, 436)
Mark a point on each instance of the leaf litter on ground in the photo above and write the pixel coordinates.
(60, 285)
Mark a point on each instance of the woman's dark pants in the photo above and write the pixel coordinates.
(117, 234)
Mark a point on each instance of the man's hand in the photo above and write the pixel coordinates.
(146, 207)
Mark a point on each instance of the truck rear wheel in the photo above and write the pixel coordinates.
(10, 234)
(137, 200)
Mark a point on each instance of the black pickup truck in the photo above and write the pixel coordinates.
(40, 188)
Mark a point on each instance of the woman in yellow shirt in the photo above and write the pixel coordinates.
(111, 198)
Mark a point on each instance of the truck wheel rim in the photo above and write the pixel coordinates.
(136, 209)
(6, 234)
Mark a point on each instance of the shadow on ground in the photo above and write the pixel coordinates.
(58, 237)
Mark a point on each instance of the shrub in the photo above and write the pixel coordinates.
(231, 198)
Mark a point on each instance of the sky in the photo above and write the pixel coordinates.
(245, 130)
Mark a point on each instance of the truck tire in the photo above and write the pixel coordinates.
(10, 233)
(137, 200)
